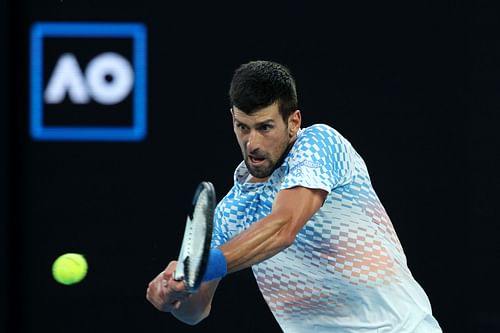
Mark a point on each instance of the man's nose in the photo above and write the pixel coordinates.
(253, 141)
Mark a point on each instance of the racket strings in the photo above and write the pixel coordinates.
(196, 243)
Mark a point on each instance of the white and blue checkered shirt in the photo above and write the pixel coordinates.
(346, 270)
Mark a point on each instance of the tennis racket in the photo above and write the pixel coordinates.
(195, 248)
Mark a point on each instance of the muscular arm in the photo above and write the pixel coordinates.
(292, 208)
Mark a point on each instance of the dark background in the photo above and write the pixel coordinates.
(414, 85)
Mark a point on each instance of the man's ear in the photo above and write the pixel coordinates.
(232, 114)
(294, 122)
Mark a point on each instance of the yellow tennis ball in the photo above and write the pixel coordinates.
(69, 268)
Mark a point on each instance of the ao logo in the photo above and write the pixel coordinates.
(88, 81)
(108, 79)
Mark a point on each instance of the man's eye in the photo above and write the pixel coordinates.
(265, 127)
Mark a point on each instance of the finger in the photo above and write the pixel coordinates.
(166, 275)
(171, 266)
(150, 291)
(177, 286)
(169, 270)
(154, 299)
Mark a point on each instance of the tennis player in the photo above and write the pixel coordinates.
(303, 214)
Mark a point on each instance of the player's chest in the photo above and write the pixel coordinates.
(243, 208)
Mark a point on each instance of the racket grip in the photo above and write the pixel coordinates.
(216, 266)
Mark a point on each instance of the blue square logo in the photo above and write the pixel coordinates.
(88, 81)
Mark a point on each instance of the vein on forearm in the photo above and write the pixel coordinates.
(261, 241)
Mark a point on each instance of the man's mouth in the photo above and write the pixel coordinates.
(255, 160)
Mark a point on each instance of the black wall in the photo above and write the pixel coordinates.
(414, 86)
(3, 162)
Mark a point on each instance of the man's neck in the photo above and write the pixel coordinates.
(252, 179)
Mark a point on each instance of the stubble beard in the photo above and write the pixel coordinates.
(270, 165)
(262, 172)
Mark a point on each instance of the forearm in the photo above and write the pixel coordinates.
(292, 209)
(261, 241)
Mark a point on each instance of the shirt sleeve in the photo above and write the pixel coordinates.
(321, 159)
(219, 237)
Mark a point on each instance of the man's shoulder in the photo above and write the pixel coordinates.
(319, 127)
(320, 131)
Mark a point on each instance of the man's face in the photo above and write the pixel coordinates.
(264, 137)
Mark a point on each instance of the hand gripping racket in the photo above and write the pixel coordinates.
(195, 248)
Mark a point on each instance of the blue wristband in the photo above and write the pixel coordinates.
(216, 267)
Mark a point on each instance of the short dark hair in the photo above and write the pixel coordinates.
(258, 84)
